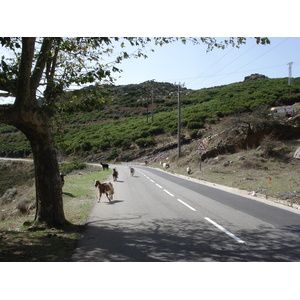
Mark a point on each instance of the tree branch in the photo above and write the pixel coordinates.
(40, 64)
(23, 89)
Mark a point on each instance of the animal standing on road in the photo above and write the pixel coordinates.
(131, 171)
(104, 166)
(105, 188)
(115, 174)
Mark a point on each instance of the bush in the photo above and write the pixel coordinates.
(145, 142)
(195, 125)
(74, 164)
(194, 134)
(156, 130)
(113, 154)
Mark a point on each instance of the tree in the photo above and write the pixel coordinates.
(37, 73)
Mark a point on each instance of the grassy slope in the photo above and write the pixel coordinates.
(122, 124)
(19, 243)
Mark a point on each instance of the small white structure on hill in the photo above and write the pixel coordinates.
(282, 111)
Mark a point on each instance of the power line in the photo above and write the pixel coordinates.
(253, 60)
(210, 66)
(227, 64)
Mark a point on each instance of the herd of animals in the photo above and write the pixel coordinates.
(108, 188)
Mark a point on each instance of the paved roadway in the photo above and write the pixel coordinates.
(156, 216)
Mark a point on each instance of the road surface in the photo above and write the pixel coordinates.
(156, 216)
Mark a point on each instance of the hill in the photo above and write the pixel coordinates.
(129, 126)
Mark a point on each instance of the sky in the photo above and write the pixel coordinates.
(196, 68)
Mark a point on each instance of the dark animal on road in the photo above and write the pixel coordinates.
(105, 188)
(115, 174)
(62, 179)
(104, 166)
(131, 171)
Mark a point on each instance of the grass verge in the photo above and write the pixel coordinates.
(19, 244)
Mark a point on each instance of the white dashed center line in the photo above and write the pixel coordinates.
(166, 191)
(186, 205)
(193, 209)
(226, 231)
(169, 193)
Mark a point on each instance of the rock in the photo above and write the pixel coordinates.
(8, 196)
(254, 77)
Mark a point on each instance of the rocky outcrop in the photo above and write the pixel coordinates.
(254, 77)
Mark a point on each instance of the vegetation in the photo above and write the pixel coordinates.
(73, 165)
(124, 124)
(20, 241)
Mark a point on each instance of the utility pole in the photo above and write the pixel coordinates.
(147, 108)
(179, 122)
(290, 73)
(152, 106)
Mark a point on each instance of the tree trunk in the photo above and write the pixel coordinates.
(49, 201)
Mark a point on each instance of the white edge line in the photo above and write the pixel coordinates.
(226, 231)
(186, 205)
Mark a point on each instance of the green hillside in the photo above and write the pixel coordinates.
(125, 121)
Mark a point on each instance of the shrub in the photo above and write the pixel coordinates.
(156, 130)
(125, 145)
(194, 134)
(195, 125)
(113, 154)
(74, 164)
(145, 142)
(85, 146)
(104, 145)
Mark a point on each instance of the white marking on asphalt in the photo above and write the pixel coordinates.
(190, 207)
(186, 205)
(226, 231)
(169, 193)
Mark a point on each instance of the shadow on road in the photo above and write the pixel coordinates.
(114, 202)
(182, 240)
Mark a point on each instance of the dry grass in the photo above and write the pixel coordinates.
(18, 243)
(276, 177)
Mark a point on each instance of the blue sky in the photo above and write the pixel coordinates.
(193, 66)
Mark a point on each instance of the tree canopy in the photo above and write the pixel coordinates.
(59, 63)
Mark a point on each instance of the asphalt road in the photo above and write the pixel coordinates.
(156, 216)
